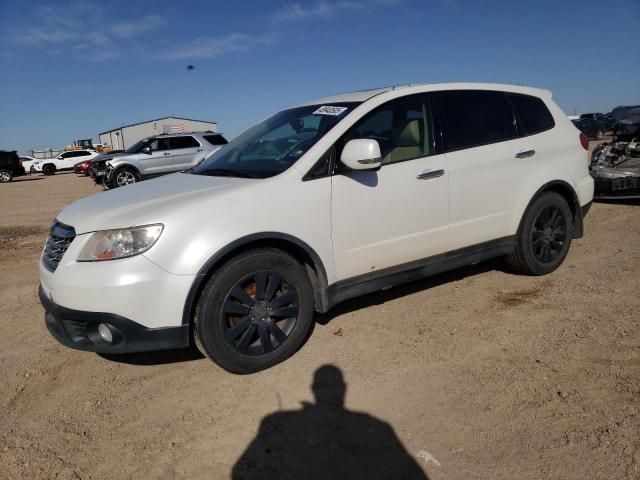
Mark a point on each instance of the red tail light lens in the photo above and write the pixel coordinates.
(584, 141)
(20, 162)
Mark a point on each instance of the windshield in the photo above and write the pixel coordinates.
(625, 113)
(272, 146)
(137, 146)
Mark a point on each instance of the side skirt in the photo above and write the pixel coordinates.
(426, 267)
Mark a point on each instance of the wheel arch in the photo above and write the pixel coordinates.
(568, 192)
(299, 249)
(127, 165)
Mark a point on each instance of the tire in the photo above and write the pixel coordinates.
(124, 176)
(544, 236)
(49, 169)
(5, 176)
(241, 334)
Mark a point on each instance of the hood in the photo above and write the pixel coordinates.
(109, 156)
(145, 202)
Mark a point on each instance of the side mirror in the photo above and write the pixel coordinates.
(361, 154)
(146, 150)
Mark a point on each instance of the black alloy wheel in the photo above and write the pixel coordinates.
(255, 311)
(549, 234)
(544, 235)
(260, 313)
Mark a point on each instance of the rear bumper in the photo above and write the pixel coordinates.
(79, 330)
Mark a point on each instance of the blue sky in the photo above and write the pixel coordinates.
(73, 69)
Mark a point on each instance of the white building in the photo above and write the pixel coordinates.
(123, 137)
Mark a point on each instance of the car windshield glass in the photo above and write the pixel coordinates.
(273, 145)
(626, 113)
(136, 146)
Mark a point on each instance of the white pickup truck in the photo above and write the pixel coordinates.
(64, 161)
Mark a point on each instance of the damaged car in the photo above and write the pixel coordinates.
(626, 123)
(615, 167)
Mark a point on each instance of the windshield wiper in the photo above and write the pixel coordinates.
(224, 172)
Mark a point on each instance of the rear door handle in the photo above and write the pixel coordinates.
(525, 154)
(427, 174)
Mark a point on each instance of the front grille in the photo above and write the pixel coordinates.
(59, 240)
(604, 188)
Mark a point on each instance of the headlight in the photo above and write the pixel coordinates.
(120, 243)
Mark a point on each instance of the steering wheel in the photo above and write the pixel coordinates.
(298, 145)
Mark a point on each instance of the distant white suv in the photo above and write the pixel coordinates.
(64, 161)
(332, 199)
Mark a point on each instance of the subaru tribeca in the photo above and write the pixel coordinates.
(328, 200)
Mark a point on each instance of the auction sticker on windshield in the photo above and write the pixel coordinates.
(330, 110)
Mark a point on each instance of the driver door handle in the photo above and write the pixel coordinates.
(526, 154)
(427, 174)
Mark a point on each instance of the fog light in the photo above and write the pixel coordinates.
(105, 332)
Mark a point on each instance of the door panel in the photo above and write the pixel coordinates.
(185, 150)
(485, 184)
(399, 213)
(389, 217)
(159, 160)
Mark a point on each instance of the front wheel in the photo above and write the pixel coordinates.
(5, 176)
(544, 237)
(124, 176)
(255, 312)
(49, 169)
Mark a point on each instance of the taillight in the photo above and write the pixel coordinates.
(584, 141)
(20, 162)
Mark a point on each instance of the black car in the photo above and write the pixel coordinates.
(10, 166)
(626, 126)
(590, 127)
(603, 119)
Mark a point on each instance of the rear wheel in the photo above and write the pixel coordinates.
(49, 169)
(5, 176)
(545, 236)
(124, 176)
(255, 312)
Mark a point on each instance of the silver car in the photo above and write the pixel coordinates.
(156, 155)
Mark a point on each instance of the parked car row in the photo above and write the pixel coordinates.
(623, 122)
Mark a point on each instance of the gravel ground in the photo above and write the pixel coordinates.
(478, 373)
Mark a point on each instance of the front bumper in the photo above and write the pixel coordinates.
(79, 329)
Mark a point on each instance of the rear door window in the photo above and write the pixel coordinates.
(471, 118)
(183, 142)
(532, 114)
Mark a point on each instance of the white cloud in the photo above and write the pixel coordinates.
(62, 26)
(143, 25)
(324, 9)
(208, 47)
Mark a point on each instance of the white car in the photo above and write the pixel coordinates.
(64, 161)
(328, 200)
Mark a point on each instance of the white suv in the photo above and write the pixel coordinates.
(331, 199)
(64, 161)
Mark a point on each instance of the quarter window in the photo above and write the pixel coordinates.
(475, 117)
(215, 139)
(532, 114)
(401, 128)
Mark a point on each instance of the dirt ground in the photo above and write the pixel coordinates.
(479, 373)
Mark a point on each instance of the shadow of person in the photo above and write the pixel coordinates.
(324, 440)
